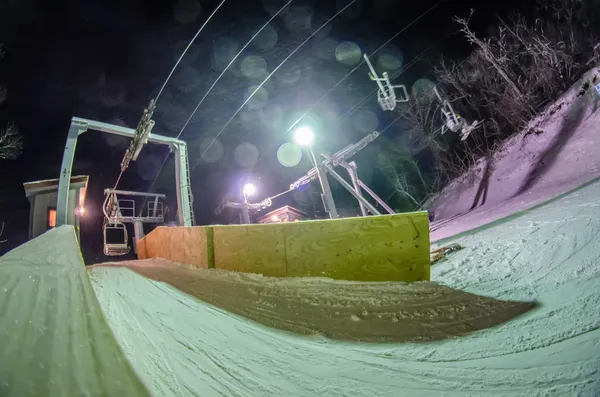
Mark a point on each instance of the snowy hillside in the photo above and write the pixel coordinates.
(558, 151)
(181, 346)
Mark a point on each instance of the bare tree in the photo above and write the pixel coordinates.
(11, 142)
(405, 177)
(510, 76)
(2, 232)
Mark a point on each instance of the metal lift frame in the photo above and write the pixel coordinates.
(179, 147)
(339, 159)
(115, 217)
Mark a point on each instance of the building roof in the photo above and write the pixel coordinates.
(285, 209)
(49, 185)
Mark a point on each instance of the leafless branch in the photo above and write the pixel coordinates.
(1, 232)
(11, 143)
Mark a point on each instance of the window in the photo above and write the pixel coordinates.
(51, 218)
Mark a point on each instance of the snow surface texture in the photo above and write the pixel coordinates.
(54, 340)
(558, 151)
(180, 346)
(340, 310)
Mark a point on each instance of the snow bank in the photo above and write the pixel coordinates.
(181, 346)
(54, 340)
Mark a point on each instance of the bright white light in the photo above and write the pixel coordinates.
(79, 211)
(274, 218)
(304, 136)
(249, 189)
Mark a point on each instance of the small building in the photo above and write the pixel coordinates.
(283, 214)
(42, 197)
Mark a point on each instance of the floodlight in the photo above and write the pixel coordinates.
(249, 189)
(304, 136)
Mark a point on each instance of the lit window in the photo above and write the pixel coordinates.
(51, 218)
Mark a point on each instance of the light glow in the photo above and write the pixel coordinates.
(304, 136)
(249, 190)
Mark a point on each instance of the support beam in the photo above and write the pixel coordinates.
(138, 234)
(376, 197)
(182, 181)
(123, 131)
(351, 168)
(80, 125)
(347, 186)
(62, 201)
(328, 201)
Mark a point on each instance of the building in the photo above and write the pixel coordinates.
(42, 197)
(283, 214)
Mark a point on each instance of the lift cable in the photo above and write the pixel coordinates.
(362, 62)
(215, 83)
(273, 72)
(146, 123)
(263, 83)
(355, 107)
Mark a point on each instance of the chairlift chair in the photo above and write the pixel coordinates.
(112, 213)
(119, 248)
(386, 93)
(453, 121)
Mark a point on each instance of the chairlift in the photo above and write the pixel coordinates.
(453, 121)
(386, 93)
(120, 247)
(119, 208)
(112, 212)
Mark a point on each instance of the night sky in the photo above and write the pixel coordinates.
(104, 60)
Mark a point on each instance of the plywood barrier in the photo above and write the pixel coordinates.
(179, 244)
(375, 248)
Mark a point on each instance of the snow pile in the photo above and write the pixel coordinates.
(180, 346)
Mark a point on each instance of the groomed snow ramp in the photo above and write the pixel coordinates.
(54, 339)
(339, 310)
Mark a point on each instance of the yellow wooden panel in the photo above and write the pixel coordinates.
(186, 245)
(152, 246)
(141, 249)
(250, 248)
(374, 248)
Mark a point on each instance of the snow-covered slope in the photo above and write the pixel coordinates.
(181, 346)
(558, 151)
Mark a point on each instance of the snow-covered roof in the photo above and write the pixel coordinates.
(48, 185)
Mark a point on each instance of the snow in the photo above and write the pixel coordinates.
(54, 339)
(182, 346)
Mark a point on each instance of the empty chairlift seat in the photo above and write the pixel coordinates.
(116, 239)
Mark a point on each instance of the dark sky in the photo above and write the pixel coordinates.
(104, 60)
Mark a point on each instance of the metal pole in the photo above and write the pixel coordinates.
(327, 195)
(138, 234)
(184, 204)
(62, 201)
(351, 168)
(347, 186)
(376, 197)
(245, 214)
